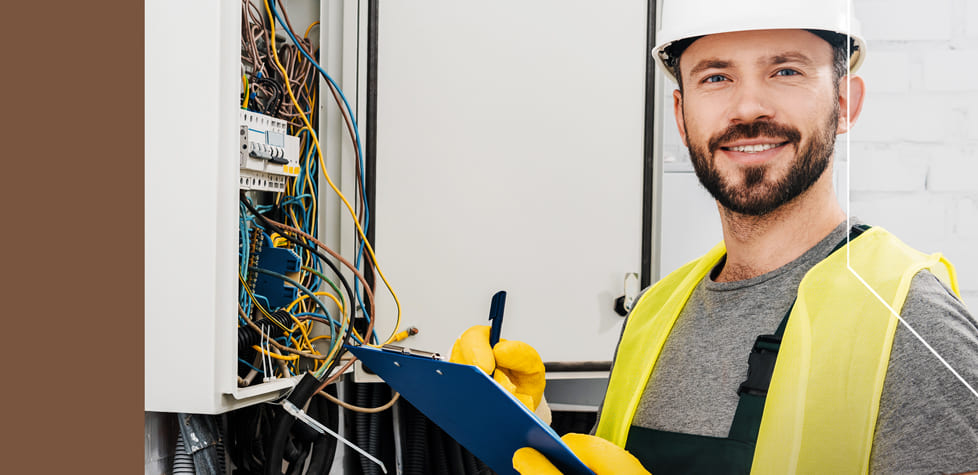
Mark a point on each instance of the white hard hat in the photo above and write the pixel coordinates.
(693, 18)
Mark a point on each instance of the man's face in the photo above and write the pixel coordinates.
(759, 113)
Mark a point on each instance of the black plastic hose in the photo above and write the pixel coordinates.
(324, 449)
(367, 427)
(453, 454)
(247, 336)
(416, 426)
(468, 461)
(436, 451)
(283, 423)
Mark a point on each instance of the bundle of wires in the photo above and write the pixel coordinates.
(259, 53)
(279, 80)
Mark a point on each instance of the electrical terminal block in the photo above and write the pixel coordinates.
(282, 261)
(268, 154)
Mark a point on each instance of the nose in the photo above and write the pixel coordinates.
(751, 102)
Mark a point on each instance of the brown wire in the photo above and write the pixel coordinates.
(336, 374)
(365, 410)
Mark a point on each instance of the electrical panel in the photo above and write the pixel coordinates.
(202, 247)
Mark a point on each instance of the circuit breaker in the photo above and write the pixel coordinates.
(268, 155)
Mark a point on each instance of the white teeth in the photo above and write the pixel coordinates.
(754, 148)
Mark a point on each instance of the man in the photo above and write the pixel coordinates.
(779, 351)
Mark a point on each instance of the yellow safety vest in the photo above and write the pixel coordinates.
(821, 407)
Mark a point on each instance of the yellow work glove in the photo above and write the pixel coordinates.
(518, 366)
(601, 456)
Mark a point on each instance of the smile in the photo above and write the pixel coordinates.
(754, 148)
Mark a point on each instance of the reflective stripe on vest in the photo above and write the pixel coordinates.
(823, 400)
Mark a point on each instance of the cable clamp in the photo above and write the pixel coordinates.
(323, 430)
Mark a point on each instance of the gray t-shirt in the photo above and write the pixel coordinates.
(928, 421)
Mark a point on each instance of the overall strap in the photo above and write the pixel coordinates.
(760, 366)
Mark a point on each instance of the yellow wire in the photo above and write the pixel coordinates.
(276, 356)
(320, 337)
(305, 334)
(292, 183)
(255, 301)
(306, 36)
(322, 165)
(338, 304)
(320, 293)
(247, 91)
(298, 345)
(262, 309)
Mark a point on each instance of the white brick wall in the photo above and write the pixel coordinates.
(905, 20)
(966, 218)
(949, 70)
(914, 152)
(905, 171)
(895, 118)
(971, 19)
(891, 71)
(954, 170)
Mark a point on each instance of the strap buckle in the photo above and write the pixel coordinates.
(760, 365)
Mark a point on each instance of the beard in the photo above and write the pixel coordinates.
(760, 193)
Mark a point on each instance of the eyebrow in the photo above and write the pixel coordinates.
(780, 58)
(711, 63)
(787, 57)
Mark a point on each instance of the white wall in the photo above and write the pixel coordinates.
(914, 155)
(914, 150)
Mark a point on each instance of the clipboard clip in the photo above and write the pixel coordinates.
(408, 351)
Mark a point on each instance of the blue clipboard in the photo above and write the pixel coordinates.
(471, 407)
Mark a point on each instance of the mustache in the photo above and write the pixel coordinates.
(753, 130)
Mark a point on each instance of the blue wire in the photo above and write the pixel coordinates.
(250, 366)
(356, 131)
(244, 257)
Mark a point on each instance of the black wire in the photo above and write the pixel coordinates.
(277, 95)
(324, 448)
(277, 442)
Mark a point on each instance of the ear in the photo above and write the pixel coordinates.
(677, 109)
(852, 91)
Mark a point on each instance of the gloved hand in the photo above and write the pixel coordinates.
(518, 366)
(601, 456)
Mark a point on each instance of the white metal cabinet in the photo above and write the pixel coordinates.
(510, 145)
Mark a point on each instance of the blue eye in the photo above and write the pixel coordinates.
(786, 72)
(715, 78)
